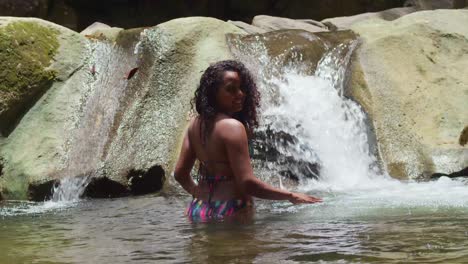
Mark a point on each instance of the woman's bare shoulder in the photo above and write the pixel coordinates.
(231, 129)
(192, 122)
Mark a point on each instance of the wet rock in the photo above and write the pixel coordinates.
(148, 126)
(416, 101)
(40, 192)
(143, 182)
(298, 48)
(156, 106)
(461, 173)
(36, 147)
(269, 23)
(103, 187)
(269, 152)
(463, 136)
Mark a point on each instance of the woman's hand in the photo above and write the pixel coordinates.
(298, 198)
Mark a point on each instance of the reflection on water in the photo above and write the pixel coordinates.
(153, 229)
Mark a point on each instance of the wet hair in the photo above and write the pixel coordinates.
(205, 96)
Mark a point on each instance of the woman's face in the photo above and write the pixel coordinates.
(230, 97)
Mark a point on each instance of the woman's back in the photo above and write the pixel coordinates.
(226, 102)
(211, 153)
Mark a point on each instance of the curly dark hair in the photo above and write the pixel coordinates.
(205, 96)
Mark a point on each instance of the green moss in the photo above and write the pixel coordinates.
(26, 49)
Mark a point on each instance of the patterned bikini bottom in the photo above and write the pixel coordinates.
(201, 211)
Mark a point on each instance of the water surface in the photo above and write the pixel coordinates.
(361, 226)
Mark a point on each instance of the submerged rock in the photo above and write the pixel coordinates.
(410, 76)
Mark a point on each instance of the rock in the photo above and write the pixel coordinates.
(36, 147)
(461, 173)
(101, 31)
(247, 27)
(95, 120)
(269, 23)
(266, 145)
(26, 52)
(410, 76)
(341, 23)
(146, 181)
(172, 57)
(298, 48)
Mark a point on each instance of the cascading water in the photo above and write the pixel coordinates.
(109, 65)
(313, 110)
(330, 130)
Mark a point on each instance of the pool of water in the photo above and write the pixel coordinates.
(393, 223)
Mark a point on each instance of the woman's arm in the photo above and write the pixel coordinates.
(184, 166)
(236, 142)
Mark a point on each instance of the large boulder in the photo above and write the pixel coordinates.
(41, 71)
(26, 52)
(410, 76)
(115, 115)
(173, 55)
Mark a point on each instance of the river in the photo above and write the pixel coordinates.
(411, 222)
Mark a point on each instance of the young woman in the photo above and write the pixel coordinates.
(226, 101)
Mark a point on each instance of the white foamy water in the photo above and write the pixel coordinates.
(326, 124)
(333, 128)
(16, 208)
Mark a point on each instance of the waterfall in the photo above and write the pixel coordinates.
(330, 129)
(108, 67)
(314, 110)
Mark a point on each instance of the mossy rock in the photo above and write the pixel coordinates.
(26, 50)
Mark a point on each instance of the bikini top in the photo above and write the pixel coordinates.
(210, 179)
